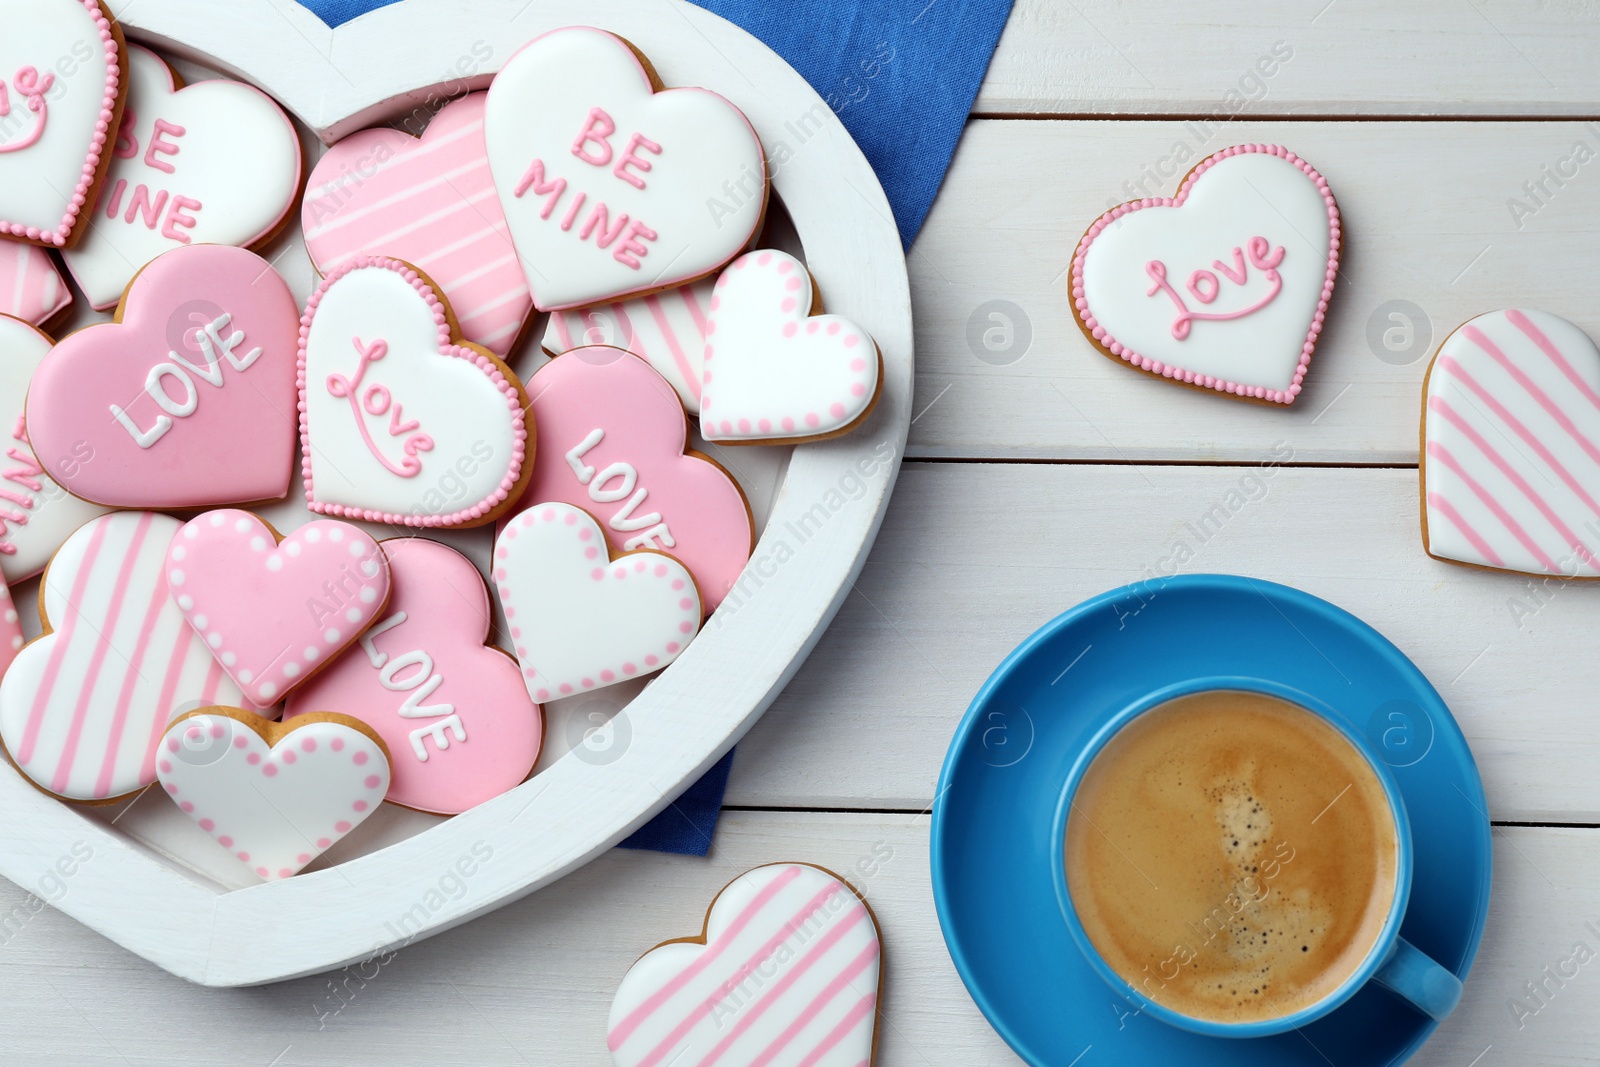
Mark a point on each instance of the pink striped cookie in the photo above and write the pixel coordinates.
(667, 330)
(82, 707)
(432, 203)
(31, 287)
(1511, 446)
(787, 971)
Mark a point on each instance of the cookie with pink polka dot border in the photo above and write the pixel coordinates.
(275, 609)
(582, 619)
(275, 795)
(776, 369)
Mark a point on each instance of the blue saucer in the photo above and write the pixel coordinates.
(992, 848)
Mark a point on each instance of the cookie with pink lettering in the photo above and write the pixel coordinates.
(788, 970)
(581, 618)
(276, 795)
(400, 420)
(613, 441)
(613, 185)
(428, 201)
(31, 288)
(276, 609)
(1223, 287)
(187, 399)
(667, 330)
(63, 80)
(783, 371)
(1511, 446)
(82, 707)
(36, 514)
(452, 708)
(216, 162)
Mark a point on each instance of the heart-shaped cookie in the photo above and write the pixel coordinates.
(612, 187)
(216, 162)
(36, 514)
(62, 83)
(581, 619)
(275, 610)
(31, 288)
(187, 400)
(612, 438)
(787, 971)
(275, 795)
(428, 201)
(781, 371)
(82, 707)
(1511, 456)
(1222, 287)
(667, 330)
(454, 713)
(400, 422)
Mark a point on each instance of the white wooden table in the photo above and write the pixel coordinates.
(1045, 449)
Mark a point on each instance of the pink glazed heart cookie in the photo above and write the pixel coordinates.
(82, 707)
(612, 437)
(275, 795)
(452, 710)
(216, 162)
(1223, 287)
(613, 186)
(400, 421)
(1511, 446)
(428, 201)
(581, 619)
(187, 399)
(782, 371)
(62, 84)
(275, 610)
(788, 970)
(31, 288)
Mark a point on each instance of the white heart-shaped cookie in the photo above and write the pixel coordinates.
(1222, 287)
(611, 187)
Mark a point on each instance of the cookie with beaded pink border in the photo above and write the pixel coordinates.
(402, 421)
(1223, 287)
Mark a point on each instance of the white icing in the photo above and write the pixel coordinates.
(238, 156)
(794, 982)
(467, 417)
(703, 192)
(278, 807)
(578, 621)
(36, 520)
(60, 40)
(773, 372)
(1498, 452)
(666, 329)
(1240, 197)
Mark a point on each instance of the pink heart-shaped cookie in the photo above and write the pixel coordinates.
(611, 440)
(275, 612)
(187, 400)
(781, 373)
(454, 713)
(580, 619)
(275, 795)
(428, 201)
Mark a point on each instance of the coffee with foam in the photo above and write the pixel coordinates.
(1232, 856)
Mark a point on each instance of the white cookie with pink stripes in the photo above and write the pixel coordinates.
(31, 287)
(1511, 457)
(786, 973)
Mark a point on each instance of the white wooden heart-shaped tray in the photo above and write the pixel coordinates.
(160, 887)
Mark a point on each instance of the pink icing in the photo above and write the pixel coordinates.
(458, 721)
(10, 629)
(273, 614)
(31, 287)
(236, 442)
(1110, 343)
(682, 504)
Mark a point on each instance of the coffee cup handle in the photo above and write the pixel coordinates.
(1413, 976)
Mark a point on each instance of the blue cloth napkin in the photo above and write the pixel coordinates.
(901, 75)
